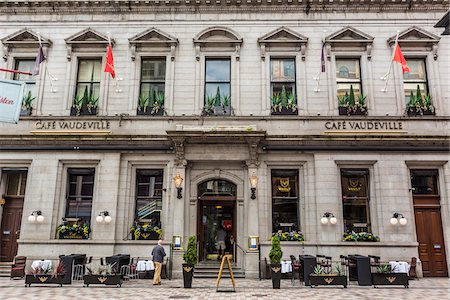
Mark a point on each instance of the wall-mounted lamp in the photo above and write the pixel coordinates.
(103, 216)
(394, 220)
(36, 216)
(328, 217)
(253, 183)
(178, 180)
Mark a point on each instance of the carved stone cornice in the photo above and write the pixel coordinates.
(178, 146)
(253, 147)
(195, 6)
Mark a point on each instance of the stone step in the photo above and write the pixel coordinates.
(5, 269)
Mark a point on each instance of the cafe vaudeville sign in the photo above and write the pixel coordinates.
(364, 125)
(68, 127)
(11, 95)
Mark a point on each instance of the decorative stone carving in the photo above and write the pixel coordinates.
(417, 39)
(24, 39)
(153, 39)
(283, 39)
(349, 39)
(178, 143)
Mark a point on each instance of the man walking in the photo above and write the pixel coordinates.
(158, 254)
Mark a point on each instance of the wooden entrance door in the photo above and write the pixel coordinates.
(10, 228)
(431, 242)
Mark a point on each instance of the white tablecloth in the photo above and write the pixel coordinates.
(399, 267)
(44, 264)
(145, 265)
(286, 266)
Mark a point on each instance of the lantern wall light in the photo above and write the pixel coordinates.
(253, 184)
(178, 181)
(36, 216)
(328, 217)
(103, 216)
(394, 220)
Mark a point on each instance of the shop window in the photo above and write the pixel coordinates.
(355, 200)
(80, 194)
(282, 86)
(152, 88)
(424, 182)
(149, 187)
(285, 212)
(217, 86)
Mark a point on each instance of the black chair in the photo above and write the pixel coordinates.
(18, 267)
(296, 267)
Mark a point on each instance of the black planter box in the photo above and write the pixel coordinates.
(188, 273)
(43, 279)
(103, 279)
(67, 236)
(390, 279)
(343, 111)
(285, 111)
(317, 280)
(26, 112)
(413, 112)
(83, 112)
(147, 236)
(275, 273)
(148, 112)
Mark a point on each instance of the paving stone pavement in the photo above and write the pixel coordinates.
(429, 289)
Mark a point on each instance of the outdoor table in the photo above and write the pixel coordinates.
(43, 264)
(399, 267)
(286, 266)
(144, 265)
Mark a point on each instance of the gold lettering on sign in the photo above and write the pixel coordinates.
(102, 279)
(353, 185)
(328, 280)
(391, 279)
(284, 185)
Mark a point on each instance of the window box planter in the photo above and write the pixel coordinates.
(144, 231)
(43, 279)
(147, 236)
(328, 279)
(275, 274)
(216, 111)
(358, 111)
(83, 112)
(188, 273)
(413, 111)
(103, 279)
(390, 279)
(150, 112)
(26, 112)
(284, 111)
(75, 231)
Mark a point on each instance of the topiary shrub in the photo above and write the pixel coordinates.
(190, 255)
(275, 253)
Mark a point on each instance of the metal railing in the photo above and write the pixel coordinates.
(242, 261)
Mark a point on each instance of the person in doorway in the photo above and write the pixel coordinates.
(221, 236)
(158, 254)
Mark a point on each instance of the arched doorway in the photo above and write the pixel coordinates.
(216, 216)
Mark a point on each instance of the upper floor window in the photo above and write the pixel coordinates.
(355, 200)
(349, 86)
(29, 95)
(87, 87)
(80, 191)
(285, 196)
(152, 89)
(16, 182)
(424, 182)
(282, 86)
(415, 86)
(217, 86)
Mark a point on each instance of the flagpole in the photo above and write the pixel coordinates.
(388, 74)
(317, 78)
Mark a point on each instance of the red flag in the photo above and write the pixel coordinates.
(109, 67)
(398, 57)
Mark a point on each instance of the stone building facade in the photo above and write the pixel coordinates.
(241, 93)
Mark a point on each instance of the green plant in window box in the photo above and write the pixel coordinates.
(418, 104)
(276, 102)
(158, 103)
(27, 102)
(92, 103)
(352, 236)
(209, 108)
(289, 236)
(73, 231)
(145, 232)
(349, 104)
(225, 103)
(291, 102)
(143, 103)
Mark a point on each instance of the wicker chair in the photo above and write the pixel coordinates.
(18, 267)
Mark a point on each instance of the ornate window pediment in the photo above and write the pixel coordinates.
(153, 39)
(23, 39)
(86, 39)
(283, 39)
(417, 39)
(348, 39)
(219, 39)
